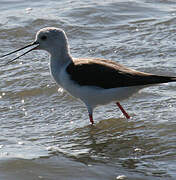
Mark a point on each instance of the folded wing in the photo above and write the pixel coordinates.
(108, 74)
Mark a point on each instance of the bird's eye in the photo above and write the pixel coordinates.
(43, 37)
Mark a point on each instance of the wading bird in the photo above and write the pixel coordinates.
(94, 81)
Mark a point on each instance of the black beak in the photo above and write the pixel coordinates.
(29, 45)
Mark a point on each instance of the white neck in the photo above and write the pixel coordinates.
(58, 60)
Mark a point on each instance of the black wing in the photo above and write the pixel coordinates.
(109, 74)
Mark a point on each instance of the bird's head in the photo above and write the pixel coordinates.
(51, 39)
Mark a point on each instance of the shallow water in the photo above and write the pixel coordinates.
(45, 133)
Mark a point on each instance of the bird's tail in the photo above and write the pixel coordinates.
(155, 79)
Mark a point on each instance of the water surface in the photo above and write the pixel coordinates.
(45, 133)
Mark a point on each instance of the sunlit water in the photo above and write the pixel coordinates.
(45, 133)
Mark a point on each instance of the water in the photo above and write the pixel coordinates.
(45, 133)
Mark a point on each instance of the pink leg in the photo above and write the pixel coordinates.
(91, 119)
(90, 111)
(123, 110)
